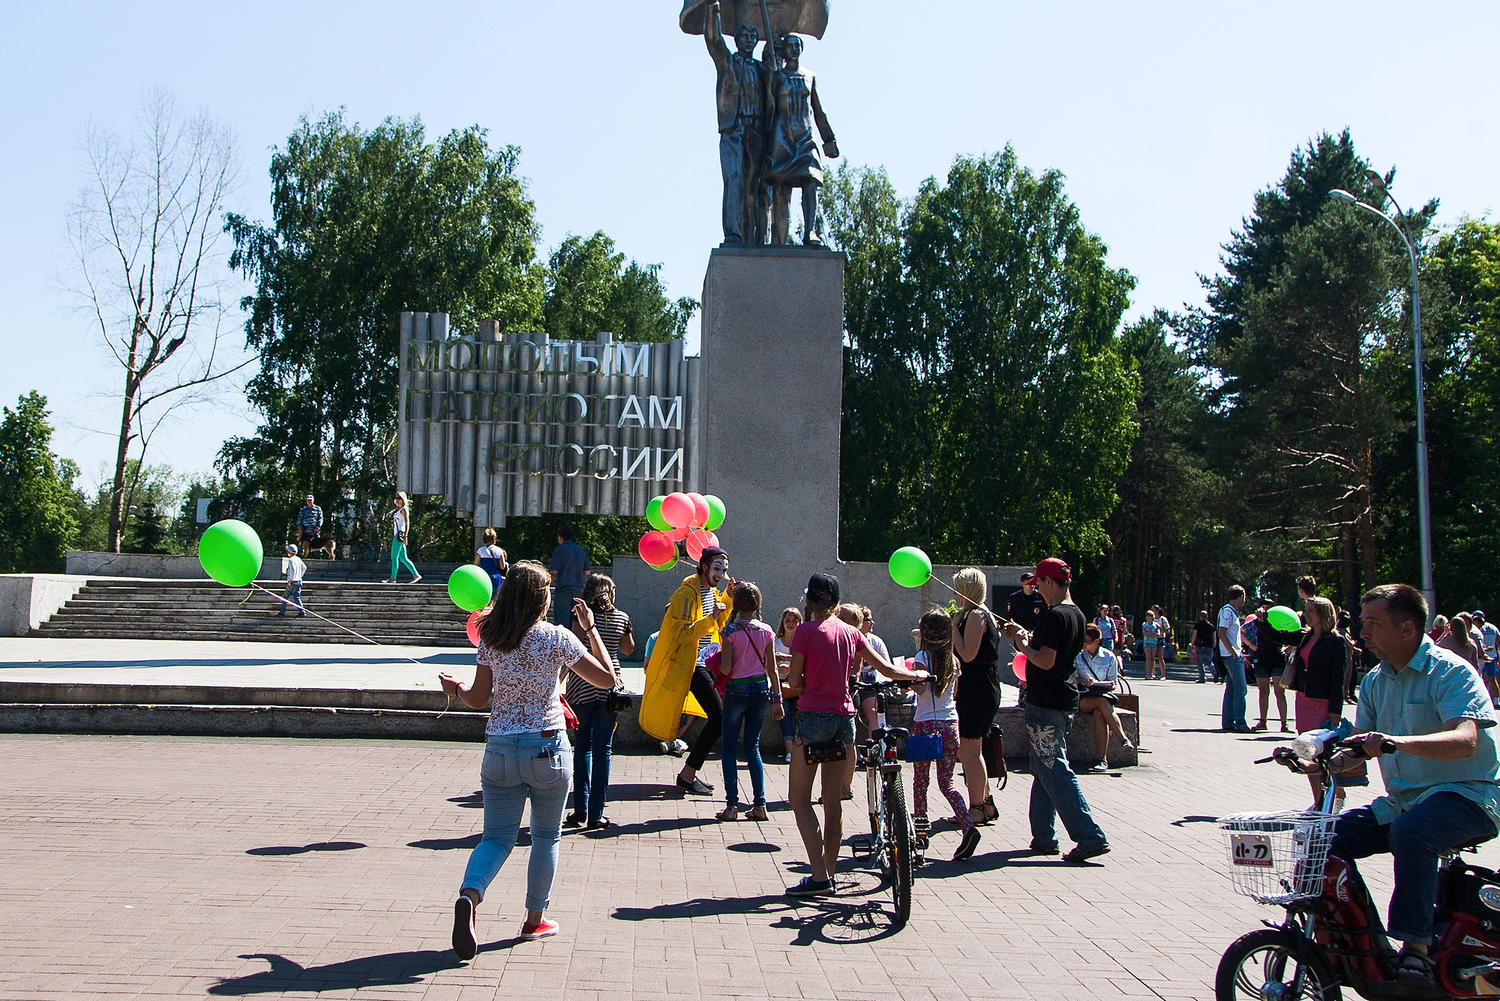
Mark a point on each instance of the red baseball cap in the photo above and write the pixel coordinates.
(1054, 568)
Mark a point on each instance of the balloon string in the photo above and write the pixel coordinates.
(309, 611)
(984, 605)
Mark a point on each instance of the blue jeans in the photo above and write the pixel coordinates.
(291, 598)
(519, 767)
(1439, 823)
(562, 603)
(1203, 657)
(596, 737)
(744, 709)
(1232, 714)
(1054, 787)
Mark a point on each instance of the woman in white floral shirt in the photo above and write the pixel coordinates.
(526, 756)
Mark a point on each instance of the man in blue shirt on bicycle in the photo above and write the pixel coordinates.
(1442, 779)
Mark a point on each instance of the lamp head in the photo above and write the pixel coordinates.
(1342, 195)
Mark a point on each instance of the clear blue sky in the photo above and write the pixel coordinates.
(1165, 117)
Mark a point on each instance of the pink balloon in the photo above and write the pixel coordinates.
(678, 510)
(1019, 666)
(697, 539)
(473, 626)
(679, 534)
(657, 548)
(700, 509)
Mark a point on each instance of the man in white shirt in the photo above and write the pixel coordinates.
(1232, 656)
(1489, 656)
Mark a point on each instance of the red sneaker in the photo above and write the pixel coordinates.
(542, 929)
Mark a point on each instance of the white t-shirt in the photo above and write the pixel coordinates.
(293, 567)
(527, 681)
(933, 707)
(1490, 635)
(399, 517)
(1229, 621)
(1101, 668)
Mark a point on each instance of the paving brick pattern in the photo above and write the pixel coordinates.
(188, 867)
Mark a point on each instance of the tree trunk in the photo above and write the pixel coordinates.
(117, 513)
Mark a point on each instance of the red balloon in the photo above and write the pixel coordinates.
(678, 510)
(1019, 666)
(679, 534)
(657, 548)
(697, 539)
(700, 509)
(473, 626)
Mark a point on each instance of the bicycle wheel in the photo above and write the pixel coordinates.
(878, 853)
(1265, 962)
(898, 827)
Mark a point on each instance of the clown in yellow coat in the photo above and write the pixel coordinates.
(671, 686)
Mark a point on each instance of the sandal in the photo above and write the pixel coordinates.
(991, 812)
(757, 812)
(1412, 965)
(730, 812)
(977, 816)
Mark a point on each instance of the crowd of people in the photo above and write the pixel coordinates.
(715, 658)
(544, 671)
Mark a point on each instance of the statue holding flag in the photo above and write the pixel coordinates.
(768, 110)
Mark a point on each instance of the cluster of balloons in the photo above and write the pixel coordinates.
(909, 566)
(689, 518)
(230, 552)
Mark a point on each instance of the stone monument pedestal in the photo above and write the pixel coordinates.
(768, 411)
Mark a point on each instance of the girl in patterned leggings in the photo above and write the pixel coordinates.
(937, 714)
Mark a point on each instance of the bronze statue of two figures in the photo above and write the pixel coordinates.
(768, 111)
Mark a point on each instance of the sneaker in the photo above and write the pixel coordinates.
(679, 747)
(542, 929)
(414, 580)
(574, 820)
(602, 824)
(967, 845)
(757, 812)
(810, 887)
(465, 940)
(1039, 848)
(666, 748)
(1082, 853)
(695, 786)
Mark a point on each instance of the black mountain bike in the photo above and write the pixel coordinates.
(892, 836)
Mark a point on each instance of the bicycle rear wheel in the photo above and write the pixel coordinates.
(899, 847)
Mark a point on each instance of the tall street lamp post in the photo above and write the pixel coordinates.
(1424, 517)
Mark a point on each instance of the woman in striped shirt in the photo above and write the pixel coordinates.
(596, 721)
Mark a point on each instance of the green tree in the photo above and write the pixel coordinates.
(39, 507)
(1173, 539)
(366, 224)
(591, 288)
(998, 312)
(1461, 339)
(1295, 332)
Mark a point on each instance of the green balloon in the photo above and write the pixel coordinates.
(470, 588)
(910, 567)
(662, 567)
(1283, 619)
(230, 552)
(715, 512)
(653, 515)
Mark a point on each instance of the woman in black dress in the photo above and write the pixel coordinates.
(976, 641)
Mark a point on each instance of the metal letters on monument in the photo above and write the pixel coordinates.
(520, 424)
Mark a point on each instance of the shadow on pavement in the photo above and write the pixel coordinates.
(316, 846)
(473, 801)
(286, 976)
(1195, 819)
(652, 826)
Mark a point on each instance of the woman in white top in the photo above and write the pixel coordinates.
(937, 714)
(526, 756)
(401, 524)
(791, 618)
(1095, 672)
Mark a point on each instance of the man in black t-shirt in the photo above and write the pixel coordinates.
(1203, 645)
(1051, 701)
(1025, 607)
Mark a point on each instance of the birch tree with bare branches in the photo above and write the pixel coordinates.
(148, 234)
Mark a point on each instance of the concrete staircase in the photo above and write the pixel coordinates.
(133, 608)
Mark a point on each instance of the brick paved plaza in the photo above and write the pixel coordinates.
(185, 867)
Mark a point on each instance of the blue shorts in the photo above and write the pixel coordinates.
(1491, 669)
(1150, 642)
(818, 728)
